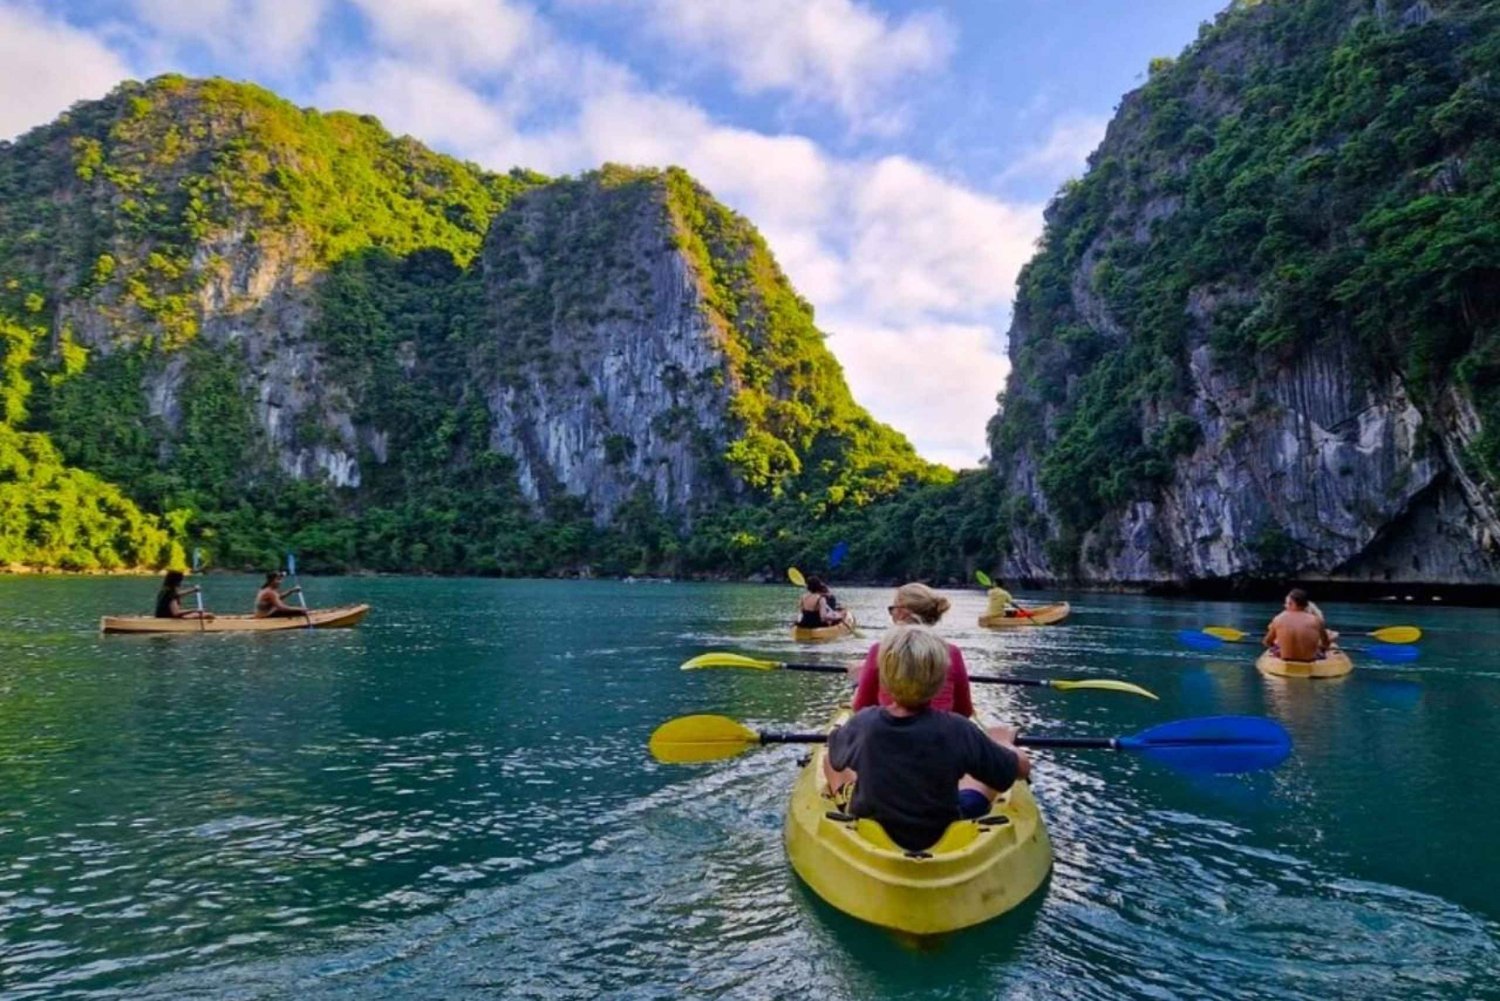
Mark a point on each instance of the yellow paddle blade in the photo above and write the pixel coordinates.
(1103, 685)
(795, 576)
(1226, 633)
(983, 578)
(729, 660)
(1397, 634)
(700, 738)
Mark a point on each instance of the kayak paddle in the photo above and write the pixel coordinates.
(1195, 640)
(738, 660)
(836, 556)
(1218, 744)
(198, 588)
(1389, 634)
(795, 576)
(291, 569)
(985, 581)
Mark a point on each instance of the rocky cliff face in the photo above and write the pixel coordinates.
(1217, 373)
(245, 299)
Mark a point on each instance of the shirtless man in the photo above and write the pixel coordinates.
(1297, 634)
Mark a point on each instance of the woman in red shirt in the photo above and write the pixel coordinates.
(917, 604)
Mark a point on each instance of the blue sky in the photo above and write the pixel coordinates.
(896, 153)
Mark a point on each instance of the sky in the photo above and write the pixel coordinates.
(897, 154)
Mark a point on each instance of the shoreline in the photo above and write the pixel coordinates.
(1402, 593)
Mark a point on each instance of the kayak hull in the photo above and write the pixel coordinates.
(340, 617)
(825, 634)
(1335, 665)
(1041, 615)
(977, 872)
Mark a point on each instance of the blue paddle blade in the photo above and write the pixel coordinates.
(1393, 654)
(1194, 640)
(291, 564)
(840, 550)
(1214, 744)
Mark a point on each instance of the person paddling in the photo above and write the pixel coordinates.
(916, 604)
(169, 599)
(1297, 634)
(271, 603)
(818, 607)
(1000, 601)
(919, 769)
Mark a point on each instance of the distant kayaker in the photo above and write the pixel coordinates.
(917, 604)
(1001, 603)
(271, 603)
(1297, 634)
(919, 769)
(169, 599)
(818, 607)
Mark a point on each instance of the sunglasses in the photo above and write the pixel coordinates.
(893, 609)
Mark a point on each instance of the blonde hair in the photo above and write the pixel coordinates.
(913, 665)
(923, 602)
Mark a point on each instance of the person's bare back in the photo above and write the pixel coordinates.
(1297, 635)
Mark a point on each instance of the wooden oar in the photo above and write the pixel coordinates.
(291, 569)
(1388, 634)
(1218, 744)
(739, 660)
(985, 581)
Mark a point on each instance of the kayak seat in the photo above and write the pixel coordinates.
(960, 834)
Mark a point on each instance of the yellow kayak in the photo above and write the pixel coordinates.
(825, 633)
(978, 870)
(1041, 615)
(1335, 665)
(318, 618)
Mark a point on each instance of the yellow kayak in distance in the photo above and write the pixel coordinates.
(340, 617)
(979, 870)
(824, 634)
(1041, 615)
(1335, 665)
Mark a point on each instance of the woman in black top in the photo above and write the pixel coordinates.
(169, 599)
(818, 607)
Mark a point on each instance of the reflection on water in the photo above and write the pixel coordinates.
(454, 800)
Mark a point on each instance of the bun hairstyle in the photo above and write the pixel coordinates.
(923, 602)
(913, 665)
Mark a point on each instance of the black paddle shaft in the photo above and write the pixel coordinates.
(1107, 743)
(992, 679)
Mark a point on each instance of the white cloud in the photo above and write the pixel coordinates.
(1063, 154)
(414, 100)
(837, 53)
(45, 66)
(936, 382)
(469, 36)
(266, 36)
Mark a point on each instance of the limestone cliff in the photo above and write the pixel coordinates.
(1260, 337)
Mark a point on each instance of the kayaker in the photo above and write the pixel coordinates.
(919, 769)
(169, 599)
(917, 604)
(1297, 634)
(1001, 603)
(1333, 636)
(271, 603)
(817, 608)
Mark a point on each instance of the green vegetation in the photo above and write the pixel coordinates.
(1315, 173)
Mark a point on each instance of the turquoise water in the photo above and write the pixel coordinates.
(454, 800)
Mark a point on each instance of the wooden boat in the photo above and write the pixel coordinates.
(825, 633)
(1041, 615)
(340, 617)
(1335, 665)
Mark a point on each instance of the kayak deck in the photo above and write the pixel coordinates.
(340, 617)
(978, 870)
(825, 633)
(1335, 665)
(1041, 615)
